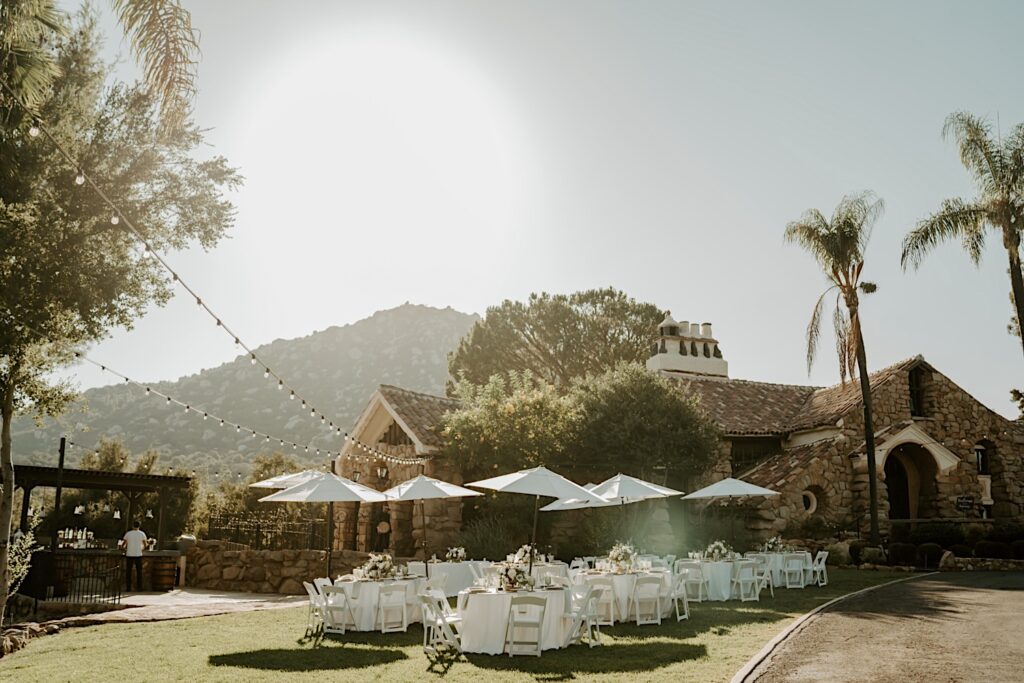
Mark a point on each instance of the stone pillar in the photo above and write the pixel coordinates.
(401, 529)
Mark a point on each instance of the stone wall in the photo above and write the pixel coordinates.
(216, 565)
(969, 564)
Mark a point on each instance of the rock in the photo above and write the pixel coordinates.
(291, 587)
(231, 573)
(207, 572)
(871, 555)
(255, 574)
(838, 553)
(948, 561)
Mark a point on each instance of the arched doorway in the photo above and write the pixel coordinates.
(910, 473)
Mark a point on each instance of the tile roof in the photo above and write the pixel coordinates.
(422, 413)
(744, 407)
(777, 471)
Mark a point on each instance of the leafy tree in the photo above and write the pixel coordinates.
(69, 272)
(161, 36)
(997, 166)
(557, 337)
(638, 422)
(838, 245)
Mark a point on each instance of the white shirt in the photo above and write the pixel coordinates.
(134, 541)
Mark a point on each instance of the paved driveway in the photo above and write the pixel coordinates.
(940, 628)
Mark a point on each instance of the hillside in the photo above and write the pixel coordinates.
(337, 369)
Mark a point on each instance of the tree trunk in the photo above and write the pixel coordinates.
(7, 473)
(869, 427)
(1012, 244)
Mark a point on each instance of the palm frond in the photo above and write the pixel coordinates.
(956, 218)
(814, 329)
(841, 326)
(978, 152)
(26, 28)
(167, 46)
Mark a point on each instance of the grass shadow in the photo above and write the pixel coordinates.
(613, 657)
(313, 659)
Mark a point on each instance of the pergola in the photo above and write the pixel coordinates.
(28, 477)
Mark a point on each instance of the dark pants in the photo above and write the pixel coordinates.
(130, 562)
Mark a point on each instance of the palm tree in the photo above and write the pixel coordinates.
(160, 32)
(838, 245)
(997, 166)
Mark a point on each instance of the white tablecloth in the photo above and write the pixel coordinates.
(719, 576)
(485, 618)
(556, 568)
(460, 576)
(623, 585)
(366, 594)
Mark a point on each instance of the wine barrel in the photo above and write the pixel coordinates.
(163, 569)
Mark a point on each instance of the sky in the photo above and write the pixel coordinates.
(462, 153)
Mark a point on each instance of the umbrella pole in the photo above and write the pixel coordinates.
(533, 540)
(423, 521)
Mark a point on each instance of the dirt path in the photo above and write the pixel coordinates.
(942, 628)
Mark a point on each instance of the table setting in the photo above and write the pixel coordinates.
(623, 569)
(364, 585)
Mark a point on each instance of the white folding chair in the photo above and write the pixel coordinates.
(337, 610)
(557, 580)
(439, 631)
(670, 561)
(590, 560)
(744, 580)
(392, 614)
(525, 613)
(584, 618)
(607, 606)
(578, 564)
(694, 579)
(658, 563)
(474, 569)
(315, 614)
(321, 582)
(763, 572)
(678, 594)
(793, 569)
(646, 600)
(442, 600)
(819, 569)
(437, 582)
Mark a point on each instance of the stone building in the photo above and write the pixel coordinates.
(940, 453)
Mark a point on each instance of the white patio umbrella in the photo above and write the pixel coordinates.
(327, 487)
(576, 503)
(730, 488)
(538, 481)
(283, 481)
(427, 488)
(626, 489)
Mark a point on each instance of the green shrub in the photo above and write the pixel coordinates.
(899, 533)
(961, 550)
(975, 532)
(902, 553)
(1018, 549)
(992, 549)
(1006, 531)
(945, 534)
(856, 551)
(929, 554)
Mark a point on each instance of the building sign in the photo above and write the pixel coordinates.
(965, 503)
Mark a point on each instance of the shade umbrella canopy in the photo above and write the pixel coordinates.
(539, 481)
(326, 488)
(730, 488)
(283, 481)
(576, 503)
(425, 488)
(623, 488)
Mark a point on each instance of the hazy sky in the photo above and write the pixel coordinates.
(460, 153)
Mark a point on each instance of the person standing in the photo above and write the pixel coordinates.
(134, 541)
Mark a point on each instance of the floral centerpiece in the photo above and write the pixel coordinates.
(773, 544)
(457, 554)
(718, 551)
(514, 576)
(622, 555)
(523, 554)
(379, 566)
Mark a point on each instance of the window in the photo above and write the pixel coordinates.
(810, 502)
(746, 452)
(981, 457)
(917, 393)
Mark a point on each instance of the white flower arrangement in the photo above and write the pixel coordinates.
(514, 576)
(622, 554)
(523, 554)
(379, 566)
(773, 544)
(718, 551)
(456, 554)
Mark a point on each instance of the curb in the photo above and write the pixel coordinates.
(742, 676)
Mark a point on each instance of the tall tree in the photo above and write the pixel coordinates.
(557, 337)
(997, 167)
(838, 245)
(160, 33)
(70, 271)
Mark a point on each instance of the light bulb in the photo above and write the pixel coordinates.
(238, 430)
(252, 358)
(291, 396)
(187, 409)
(115, 219)
(312, 413)
(168, 400)
(280, 385)
(79, 179)
(266, 373)
(205, 416)
(33, 131)
(147, 391)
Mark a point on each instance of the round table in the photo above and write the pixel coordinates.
(364, 595)
(623, 585)
(719, 577)
(556, 568)
(485, 619)
(460, 576)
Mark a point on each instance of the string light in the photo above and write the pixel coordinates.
(115, 219)
(80, 178)
(33, 130)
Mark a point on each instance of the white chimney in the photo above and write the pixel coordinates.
(705, 330)
(669, 358)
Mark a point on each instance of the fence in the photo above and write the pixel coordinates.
(75, 577)
(268, 533)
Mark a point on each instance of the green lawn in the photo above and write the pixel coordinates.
(269, 646)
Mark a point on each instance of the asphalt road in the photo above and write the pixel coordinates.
(940, 628)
